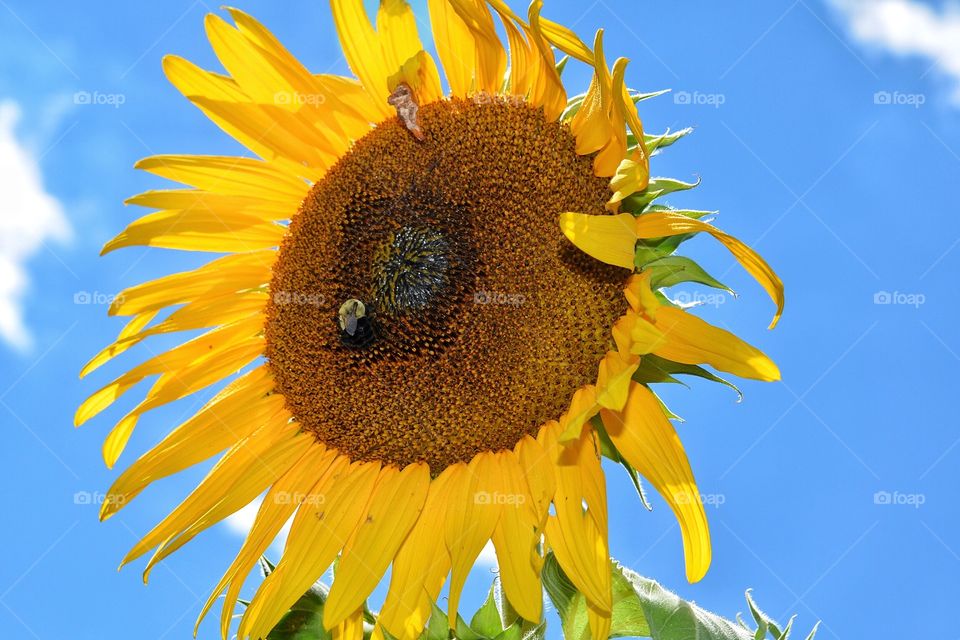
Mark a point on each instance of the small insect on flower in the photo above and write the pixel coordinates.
(356, 326)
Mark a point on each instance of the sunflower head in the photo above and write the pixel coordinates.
(438, 306)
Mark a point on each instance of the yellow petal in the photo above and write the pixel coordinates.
(640, 295)
(579, 539)
(613, 381)
(210, 368)
(591, 125)
(633, 176)
(648, 441)
(351, 628)
(658, 224)
(277, 507)
(173, 360)
(334, 97)
(583, 406)
(232, 415)
(199, 231)
(420, 567)
(455, 46)
(609, 238)
(361, 47)
(230, 176)
(515, 539)
(548, 92)
(324, 523)
(537, 468)
(243, 468)
(126, 339)
(567, 41)
(397, 28)
(419, 73)
(396, 505)
(265, 209)
(691, 340)
(264, 472)
(491, 59)
(230, 274)
(261, 130)
(472, 515)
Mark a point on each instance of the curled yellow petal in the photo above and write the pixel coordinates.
(659, 224)
(691, 340)
(647, 440)
(608, 238)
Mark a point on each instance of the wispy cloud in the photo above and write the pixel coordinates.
(909, 28)
(29, 216)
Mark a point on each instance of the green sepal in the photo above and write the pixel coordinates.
(486, 621)
(656, 143)
(562, 64)
(653, 369)
(304, 620)
(639, 97)
(657, 188)
(670, 271)
(573, 106)
(508, 615)
(438, 626)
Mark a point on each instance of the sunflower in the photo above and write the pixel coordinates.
(436, 308)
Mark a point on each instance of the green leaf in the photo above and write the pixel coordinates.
(673, 270)
(627, 619)
(671, 618)
(813, 632)
(486, 621)
(304, 621)
(653, 368)
(763, 620)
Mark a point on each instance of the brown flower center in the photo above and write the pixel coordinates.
(426, 306)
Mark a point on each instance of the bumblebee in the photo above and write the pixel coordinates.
(356, 324)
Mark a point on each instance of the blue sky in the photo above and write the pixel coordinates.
(826, 135)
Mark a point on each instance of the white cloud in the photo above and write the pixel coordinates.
(28, 217)
(908, 28)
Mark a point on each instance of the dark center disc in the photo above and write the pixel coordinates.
(478, 319)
